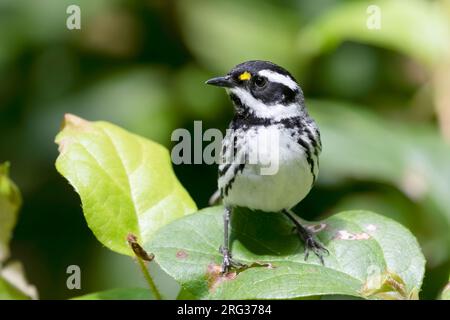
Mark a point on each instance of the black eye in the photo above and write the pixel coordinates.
(260, 81)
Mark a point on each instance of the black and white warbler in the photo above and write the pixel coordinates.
(269, 106)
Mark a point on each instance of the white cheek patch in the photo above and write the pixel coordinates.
(261, 110)
(279, 78)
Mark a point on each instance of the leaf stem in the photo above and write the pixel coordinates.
(149, 279)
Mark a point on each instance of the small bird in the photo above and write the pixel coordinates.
(270, 125)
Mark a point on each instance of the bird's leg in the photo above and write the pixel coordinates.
(308, 239)
(227, 262)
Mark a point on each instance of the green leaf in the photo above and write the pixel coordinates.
(10, 202)
(119, 294)
(185, 295)
(9, 292)
(370, 257)
(417, 28)
(125, 182)
(14, 285)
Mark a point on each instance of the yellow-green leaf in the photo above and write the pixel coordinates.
(125, 182)
(9, 292)
(10, 202)
(14, 284)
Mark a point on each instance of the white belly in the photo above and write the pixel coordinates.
(278, 180)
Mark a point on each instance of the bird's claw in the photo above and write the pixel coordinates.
(316, 247)
(313, 245)
(228, 262)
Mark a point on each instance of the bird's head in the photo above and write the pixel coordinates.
(262, 89)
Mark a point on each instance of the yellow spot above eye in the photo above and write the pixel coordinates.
(245, 76)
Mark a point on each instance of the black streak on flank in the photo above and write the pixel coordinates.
(224, 169)
(313, 141)
(237, 170)
(309, 159)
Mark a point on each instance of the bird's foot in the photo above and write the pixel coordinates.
(312, 245)
(228, 262)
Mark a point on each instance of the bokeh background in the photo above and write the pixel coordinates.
(381, 98)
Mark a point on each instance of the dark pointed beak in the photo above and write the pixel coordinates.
(225, 82)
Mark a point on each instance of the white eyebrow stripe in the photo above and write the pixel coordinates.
(276, 77)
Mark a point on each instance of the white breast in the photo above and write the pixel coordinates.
(276, 174)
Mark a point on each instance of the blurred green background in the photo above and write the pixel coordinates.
(381, 98)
